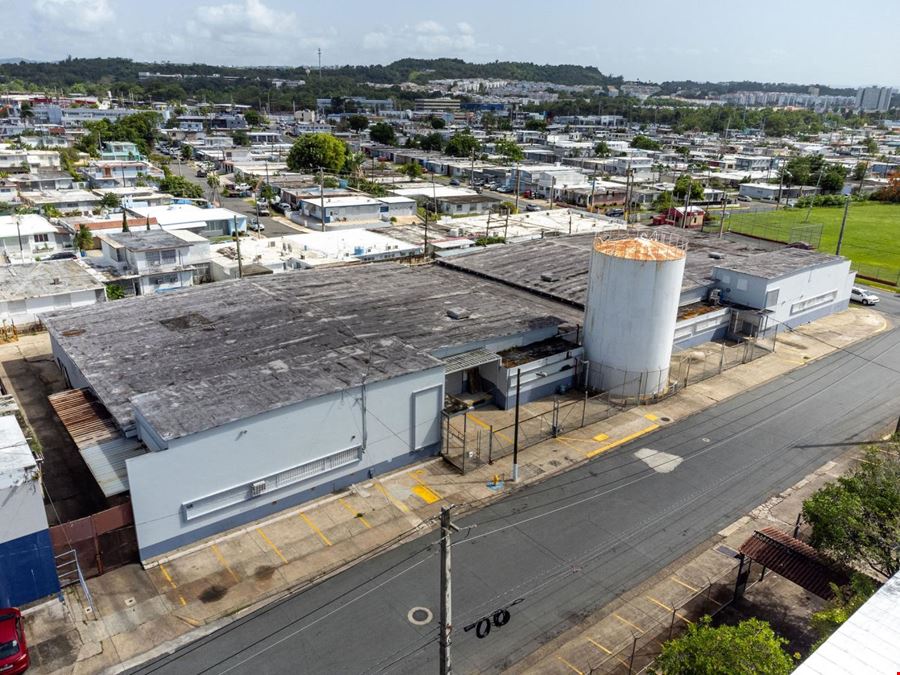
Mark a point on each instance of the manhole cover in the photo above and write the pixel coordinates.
(420, 616)
(130, 601)
(665, 420)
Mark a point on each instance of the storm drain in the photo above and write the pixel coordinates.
(420, 616)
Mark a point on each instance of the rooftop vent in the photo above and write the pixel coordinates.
(549, 276)
(457, 313)
(716, 255)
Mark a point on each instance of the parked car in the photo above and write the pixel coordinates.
(454, 181)
(256, 226)
(864, 297)
(615, 213)
(528, 194)
(14, 657)
(744, 198)
(201, 173)
(283, 207)
(533, 207)
(505, 190)
(62, 255)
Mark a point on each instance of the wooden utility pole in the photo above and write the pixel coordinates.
(446, 595)
(237, 242)
(515, 467)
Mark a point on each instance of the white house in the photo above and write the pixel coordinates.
(30, 237)
(358, 208)
(118, 173)
(154, 261)
(205, 222)
(30, 290)
(66, 201)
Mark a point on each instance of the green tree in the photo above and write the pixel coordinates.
(663, 201)
(180, 187)
(358, 122)
(413, 170)
(856, 519)
(509, 150)
(837, 610)
(432, 142)
(311, 152)
(642, 142)
(859, 171)
(240, 137)
(354, 162)
(114, 292)
(685, 182)
(110, 200)
(462, 144)
(871, 145)
(213, 182)
(253, 117)
(602, 149)
(749, 648)
(437, 122)
(187, 152)
(125, 221)
(382, 132)
(83, 239)
(534, 124)
(833, 178)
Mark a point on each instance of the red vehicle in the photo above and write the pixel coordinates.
(13, 649)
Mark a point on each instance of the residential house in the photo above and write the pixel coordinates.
(65, 201)
(118, 173)
(205, 222)
(29, 237)
(31, 290)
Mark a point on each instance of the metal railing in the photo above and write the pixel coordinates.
(68, 570)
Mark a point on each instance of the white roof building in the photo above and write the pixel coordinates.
(206, 222)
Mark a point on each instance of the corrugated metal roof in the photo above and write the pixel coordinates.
(102, 444)
(466, 360)
(793, 559)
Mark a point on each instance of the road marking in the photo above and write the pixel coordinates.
(571, 667)
(567, 444)
(222, 561)
(622, 441)
(487, 426)
(400, 505)
(315, 528)
(358, 516)
(425, 493)
(651, 417)
(272, 545)
(601, 437)
(626, 621)
(668, 609)
(686, 585)
(172, 583)
(427, 489)
(599, 646)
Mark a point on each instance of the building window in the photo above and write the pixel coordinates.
(742, 284)
(41, 238)
(168, 256)
(164, 279)
(152, 257)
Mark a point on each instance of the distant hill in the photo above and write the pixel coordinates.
(16, 59)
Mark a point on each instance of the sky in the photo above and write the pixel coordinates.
(800, 41)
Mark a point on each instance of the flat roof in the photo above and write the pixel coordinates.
(179, 214)
(146, 240)
(16, 460)
(567, 260)
(201, 357)
(779, 263)
(26, 224)
(51, 277)
(343, 201)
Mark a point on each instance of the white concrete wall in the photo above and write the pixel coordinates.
(22, 510)
(34, 307)
(403, 416)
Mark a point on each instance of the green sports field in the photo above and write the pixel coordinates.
(871, 237)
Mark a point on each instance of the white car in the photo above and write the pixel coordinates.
(863, 296)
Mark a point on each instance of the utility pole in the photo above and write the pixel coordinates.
(515, 471)
(322, 192)
(722, 223)
(843, 224)
(237, 242)
(516, 174)
(446, 595)
(425, 248)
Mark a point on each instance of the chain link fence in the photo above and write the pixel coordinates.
(889, 276)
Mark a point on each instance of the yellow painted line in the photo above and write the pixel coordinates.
(601, 437)
(599, 646)
(421, 482)
(651, 417)
(668, 609)
(269, 542)
(571, 667)
(487, 426)
(223, 562)
(686, 585)
(400, 505)
(622, 441)
(315, 528)
(567, 444)
(355, 513)
(626, 621)
(425, 493)
(172, 583)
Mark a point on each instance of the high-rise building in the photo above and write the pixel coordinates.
(874, 99)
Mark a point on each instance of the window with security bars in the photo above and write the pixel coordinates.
(265, 485)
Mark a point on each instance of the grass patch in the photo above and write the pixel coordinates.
(871, 237)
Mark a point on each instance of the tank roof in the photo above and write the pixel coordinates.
(638, 248)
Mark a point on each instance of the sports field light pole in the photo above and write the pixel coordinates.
(515, 470)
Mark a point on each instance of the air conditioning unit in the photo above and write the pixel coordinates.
(257, 488)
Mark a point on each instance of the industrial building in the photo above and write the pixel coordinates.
(253, 395)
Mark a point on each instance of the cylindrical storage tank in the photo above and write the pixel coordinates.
(630, 312)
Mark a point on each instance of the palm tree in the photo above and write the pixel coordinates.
(83, 239)
(212, 180)
(354, 163)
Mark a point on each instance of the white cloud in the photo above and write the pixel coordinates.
(79, 15)
(376, 41)
(464, 28)
(431, 27)
(249, 16)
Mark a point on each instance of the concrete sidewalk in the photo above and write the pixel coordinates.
(138, 613)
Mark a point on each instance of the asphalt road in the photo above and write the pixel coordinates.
(273, 228)
(573, 543)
